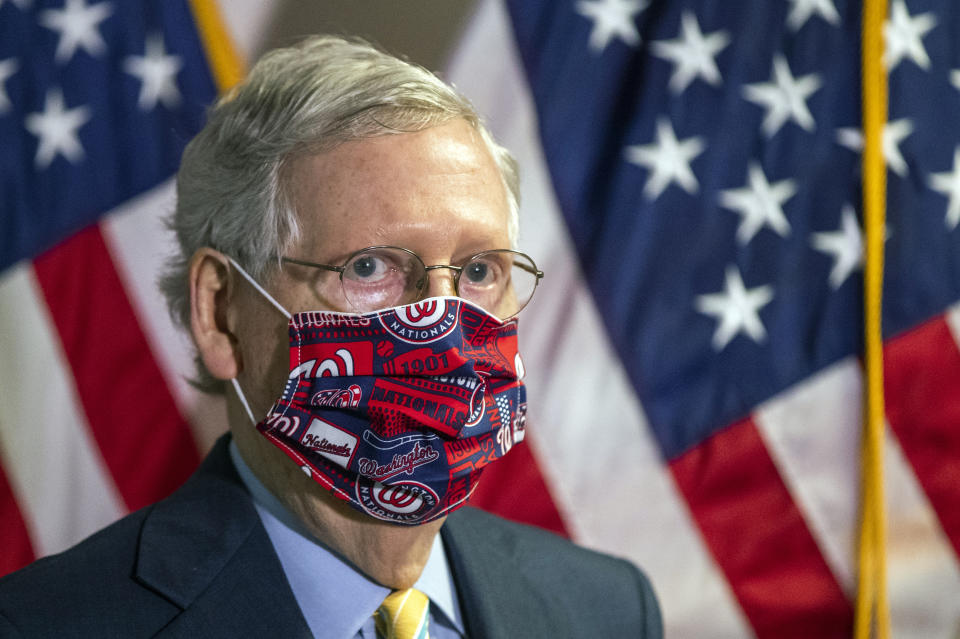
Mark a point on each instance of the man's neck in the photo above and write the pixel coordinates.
(391, 555)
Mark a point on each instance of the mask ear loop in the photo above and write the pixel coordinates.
(276, 304)
(259, 288)
(243, 399)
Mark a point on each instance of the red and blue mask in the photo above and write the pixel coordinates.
(398, 411)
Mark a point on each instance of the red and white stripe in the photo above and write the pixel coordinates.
(90, 429)
(54, 469)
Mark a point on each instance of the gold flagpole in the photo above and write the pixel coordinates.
(872, 605)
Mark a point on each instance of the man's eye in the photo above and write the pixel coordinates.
(367, 267)
(479, 273)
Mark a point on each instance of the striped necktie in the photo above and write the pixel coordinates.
(403, 615)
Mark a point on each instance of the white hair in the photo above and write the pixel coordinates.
(232, 190)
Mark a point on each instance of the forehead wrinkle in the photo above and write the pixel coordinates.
(437, 177)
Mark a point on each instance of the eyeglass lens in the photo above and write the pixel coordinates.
(499, 281)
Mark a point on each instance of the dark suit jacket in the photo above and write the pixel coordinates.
(200, 564)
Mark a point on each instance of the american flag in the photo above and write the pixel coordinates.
(692, 184)
(692, 189)
(97, 101)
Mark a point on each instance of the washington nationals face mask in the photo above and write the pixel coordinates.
(398, 411)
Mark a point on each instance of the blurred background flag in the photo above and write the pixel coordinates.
(97, 101)
(691, 184)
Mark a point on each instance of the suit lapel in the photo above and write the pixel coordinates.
(495, 598)
(205, 550)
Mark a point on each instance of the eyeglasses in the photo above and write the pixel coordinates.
(501, 281)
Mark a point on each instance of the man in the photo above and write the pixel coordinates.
(338, 179)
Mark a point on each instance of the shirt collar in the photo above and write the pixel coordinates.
(336, 598)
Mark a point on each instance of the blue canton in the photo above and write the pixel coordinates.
(97, 101)
(706, 158)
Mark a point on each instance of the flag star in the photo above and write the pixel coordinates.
(157, 73)
(890, 138)
(668, 160)
(736, 309)
(801, 11)
(57, 129)
(948, 183)
(692, 53)
(893, 134)
(851, 138)
(612, 18)
(955, 78)
(78, 26)
(7, 68)
(784, 97)
(844, 245)
(904, 36)
(760, 203)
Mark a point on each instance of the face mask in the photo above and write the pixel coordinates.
(397, 412)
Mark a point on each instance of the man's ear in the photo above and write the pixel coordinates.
(210, 296)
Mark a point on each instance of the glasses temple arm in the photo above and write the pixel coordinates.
(529, 269)
(326, 267)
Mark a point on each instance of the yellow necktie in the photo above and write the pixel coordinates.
(403, 615)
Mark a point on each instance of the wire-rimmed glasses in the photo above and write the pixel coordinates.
(501, 281)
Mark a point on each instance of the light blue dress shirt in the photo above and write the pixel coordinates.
(336, 599)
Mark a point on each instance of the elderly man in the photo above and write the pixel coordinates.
(349, 275)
